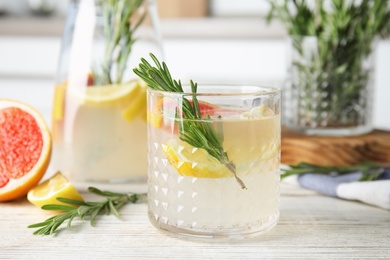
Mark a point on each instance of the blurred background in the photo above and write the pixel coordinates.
(224, 41)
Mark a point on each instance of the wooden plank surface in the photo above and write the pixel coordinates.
(311, 226)
(374, 147)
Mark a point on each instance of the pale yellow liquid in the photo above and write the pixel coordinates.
(93, 142)
(218, 206)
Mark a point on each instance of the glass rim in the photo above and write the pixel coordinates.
(262, 90)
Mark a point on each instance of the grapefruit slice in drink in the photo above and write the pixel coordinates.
(163, 113)
(25, 149)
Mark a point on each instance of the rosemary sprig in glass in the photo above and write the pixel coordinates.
(120, 21)
(333, 78)
(194, 129)
(85, 210)
(370, 171)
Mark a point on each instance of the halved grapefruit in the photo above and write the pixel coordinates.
(25, 149)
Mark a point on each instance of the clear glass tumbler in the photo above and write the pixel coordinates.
(233, 193)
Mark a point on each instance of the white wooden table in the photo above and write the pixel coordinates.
(311, 226)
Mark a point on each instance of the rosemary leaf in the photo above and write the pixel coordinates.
(94, 213)
(57, 207)
(70, 221)
(370, 171)
(71, 201)
(371, 174)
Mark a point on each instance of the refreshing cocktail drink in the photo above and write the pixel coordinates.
(191, 192)
(99, 132)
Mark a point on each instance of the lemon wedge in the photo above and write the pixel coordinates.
(192, 161)
(49, 190)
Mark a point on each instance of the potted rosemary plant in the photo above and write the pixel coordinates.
(330, 87)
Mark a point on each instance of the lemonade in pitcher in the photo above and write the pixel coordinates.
(99, 108)
(100, 132)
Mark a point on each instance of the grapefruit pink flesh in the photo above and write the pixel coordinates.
(25, 148)
(21, 143)
(169, 107)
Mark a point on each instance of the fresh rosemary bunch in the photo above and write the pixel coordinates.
(329, 82)
(370, 171)
(85, 210)
(120, 21)
(193, 129)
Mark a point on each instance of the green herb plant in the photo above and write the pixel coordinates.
(85, 210)
(329, 81)
(370, 171)
(121, 18)
(194, 129)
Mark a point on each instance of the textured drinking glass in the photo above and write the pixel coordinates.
(192, 193)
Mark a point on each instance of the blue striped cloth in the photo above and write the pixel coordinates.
(347, 186)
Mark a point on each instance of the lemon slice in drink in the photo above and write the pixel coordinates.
(49, 190)
(192, 161)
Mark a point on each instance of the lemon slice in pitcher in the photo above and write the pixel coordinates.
(129, 97)
(138, 104)
(108, 93)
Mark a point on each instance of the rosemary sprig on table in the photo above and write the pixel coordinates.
(194, 129)
(120, 21)
(85, 210)
(370, 171)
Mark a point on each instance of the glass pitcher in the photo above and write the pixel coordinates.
(99, 108)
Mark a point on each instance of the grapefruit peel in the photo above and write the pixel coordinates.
(14, 186)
